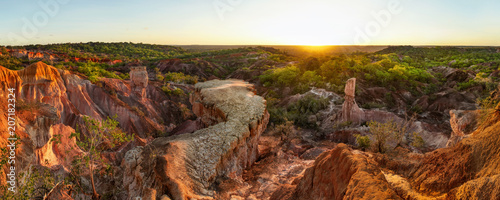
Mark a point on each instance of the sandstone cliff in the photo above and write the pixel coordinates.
(136, 104)
(350, 174)
(186, 166)
(52, 101)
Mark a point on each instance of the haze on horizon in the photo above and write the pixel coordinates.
(252, 22)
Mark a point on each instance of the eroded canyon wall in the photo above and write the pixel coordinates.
(186, 166)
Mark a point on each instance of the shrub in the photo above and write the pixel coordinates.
(418, 141)
(310, 64)
(95, 70)
(341, 125)
(487, 105)
(285, 130)
(37, 182)
(98, 136)
(372, 104)
(311, 78)
(303, 108)
(363, 141)
(124, 76)
(174, 92)
(179, 77)
(466, 85)
(381, 132)
(281, 77)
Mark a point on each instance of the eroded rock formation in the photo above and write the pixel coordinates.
(139, 80)
(58, 153)
(73, 97)
(341, 173)
(52, 101)
(186, 166)
(462, 123)
(350, 109)
(467, 170)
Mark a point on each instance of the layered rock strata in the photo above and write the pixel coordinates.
(73, 97)
(341, 173)
(186, 166)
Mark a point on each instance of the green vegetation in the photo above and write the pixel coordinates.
(291, 76)
(395, 132)
(381, 133)
(94, 71)
(97, 138)
(487, 108)
(418, 141)
(298, 112)
(179, 77)
(375, 70)
(38, 182)
(10, 62)
(364, 142)
(116, 51)
(173, 92)
(444, 56)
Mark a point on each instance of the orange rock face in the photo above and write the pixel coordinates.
(187, 165)
(55, 154)
(468, 170)
(342, 174)
(73, 97)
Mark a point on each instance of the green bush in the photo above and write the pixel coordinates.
(382, 132)
(179, 77)
(364, 142)
(94, 71)
(418, 141)
(10, 62)
(487, 107)
(305, 107)
(173, 92)
(281, 77)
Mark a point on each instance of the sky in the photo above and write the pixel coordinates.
(252, 22)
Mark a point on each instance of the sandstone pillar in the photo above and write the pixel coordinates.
(139, 80)
(350, 109)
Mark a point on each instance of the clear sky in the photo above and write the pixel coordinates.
(245, 22)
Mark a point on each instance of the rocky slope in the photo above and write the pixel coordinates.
(134, 102)
(186, 166)
(51, 102)
(467, 170)
(341, 173)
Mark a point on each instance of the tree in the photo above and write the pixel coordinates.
(382, 133)
(37, 182)
(363, 141)
(393, 131)
(310, 64)
(402, 129)
(99, 136)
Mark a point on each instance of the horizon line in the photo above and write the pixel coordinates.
(327, 45)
